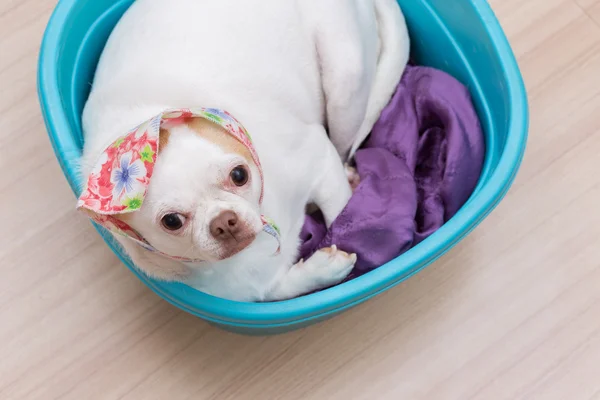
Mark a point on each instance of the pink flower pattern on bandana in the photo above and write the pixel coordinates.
(119, 181)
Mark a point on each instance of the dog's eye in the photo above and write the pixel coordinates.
(239, 176)
(172, 222)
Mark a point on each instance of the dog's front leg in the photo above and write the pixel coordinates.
(325, 268)
(332, 189)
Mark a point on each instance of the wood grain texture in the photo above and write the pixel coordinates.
(513, 312)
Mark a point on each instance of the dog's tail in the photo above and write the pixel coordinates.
(393, 57)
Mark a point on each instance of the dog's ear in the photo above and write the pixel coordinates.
(119, 180)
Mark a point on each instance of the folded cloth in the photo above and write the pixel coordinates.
(420, 164)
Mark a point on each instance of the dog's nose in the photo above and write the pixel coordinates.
(225, 226)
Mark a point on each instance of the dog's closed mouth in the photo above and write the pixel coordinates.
(236, 245)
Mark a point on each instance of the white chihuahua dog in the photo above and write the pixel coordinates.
(306, 79)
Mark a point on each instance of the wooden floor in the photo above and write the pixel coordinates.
(512, 313)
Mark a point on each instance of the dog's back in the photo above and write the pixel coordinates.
(328, 62)
(244, 56)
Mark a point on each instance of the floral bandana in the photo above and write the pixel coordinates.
(119, 181)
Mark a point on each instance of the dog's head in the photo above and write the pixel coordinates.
(202, 202)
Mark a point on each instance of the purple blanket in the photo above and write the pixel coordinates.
(418, 167)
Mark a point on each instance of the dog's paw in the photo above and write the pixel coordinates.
(353, 177)
(330, 265)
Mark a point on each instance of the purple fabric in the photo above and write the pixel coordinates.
(418, 167)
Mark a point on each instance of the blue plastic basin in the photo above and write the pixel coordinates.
(460, 37)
